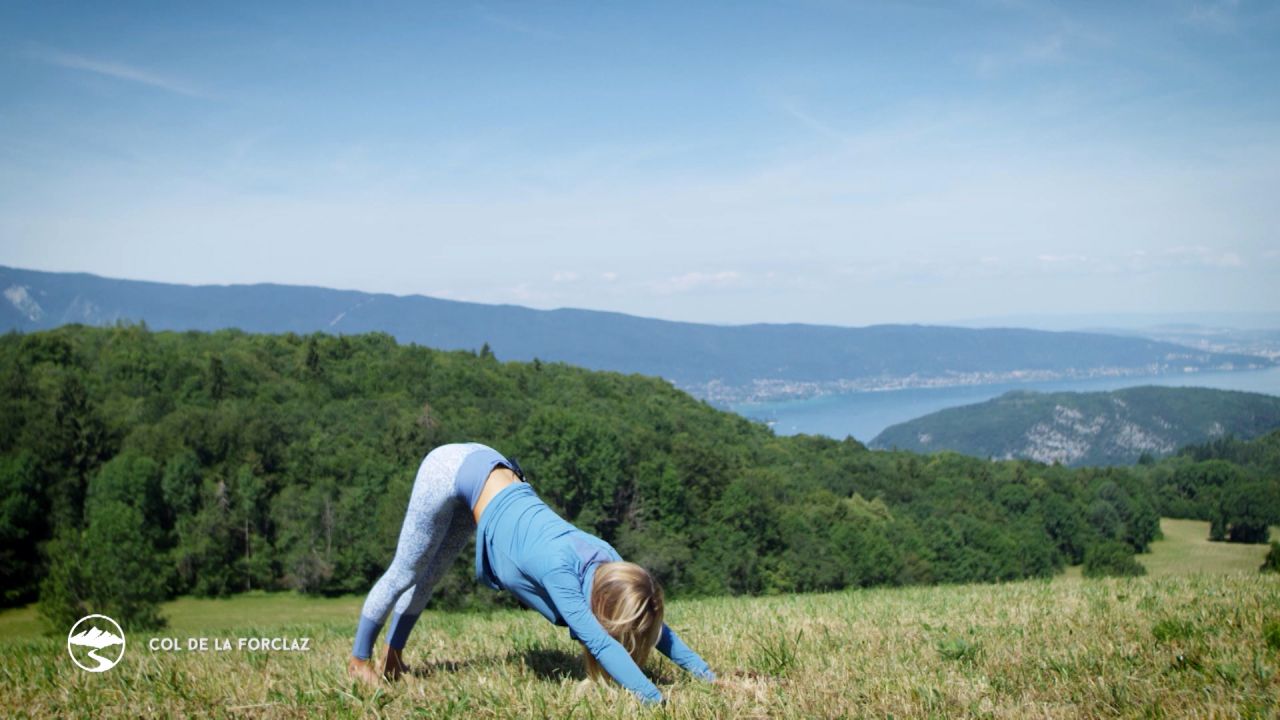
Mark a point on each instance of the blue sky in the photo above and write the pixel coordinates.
(844, 163)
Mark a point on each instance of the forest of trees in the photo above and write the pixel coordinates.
(137, 466)
(1235, 485)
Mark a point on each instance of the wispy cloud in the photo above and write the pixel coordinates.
(506, 22)
(1062, 39)
(1218, 15)
(814, 123)
(116, 70)
(1060, 264)
(1196, 257)
(1059, 259)
(1043, 50)
(1199, 255)
(689, 282)
(853, 147)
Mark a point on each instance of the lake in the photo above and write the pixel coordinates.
(864, 414)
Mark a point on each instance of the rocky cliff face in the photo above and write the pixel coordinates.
(1070, 436)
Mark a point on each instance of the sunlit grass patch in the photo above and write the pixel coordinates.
(1186, 548)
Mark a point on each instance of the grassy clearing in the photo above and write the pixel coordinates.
(1186, 549)
(1181, 642)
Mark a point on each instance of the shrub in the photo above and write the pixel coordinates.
(1249, 509)
(108, 568)
(1272, 562)
(1111, 558)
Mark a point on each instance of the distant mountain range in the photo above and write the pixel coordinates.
(1129, 321)
(1098, 428)
(1246, 333)
(1259, 342)
(719, 363)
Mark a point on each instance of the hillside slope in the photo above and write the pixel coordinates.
(297, 456)
(1102, 428)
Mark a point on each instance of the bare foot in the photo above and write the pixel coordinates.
(362, 670)
(581, 688)
(393, 664)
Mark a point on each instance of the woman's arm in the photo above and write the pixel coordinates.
(566, 592)
(669, 644)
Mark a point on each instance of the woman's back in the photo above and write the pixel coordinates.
(521, 541)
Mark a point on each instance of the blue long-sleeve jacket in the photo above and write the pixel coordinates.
(523, 546)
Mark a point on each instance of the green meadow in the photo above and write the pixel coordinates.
(1185, 549)
(1199, 636)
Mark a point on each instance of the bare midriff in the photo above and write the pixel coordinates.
(497, 480)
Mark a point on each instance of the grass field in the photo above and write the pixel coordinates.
(1177, 643)
(1186, 549)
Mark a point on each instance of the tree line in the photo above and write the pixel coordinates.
(137, 466)
(1232, 484)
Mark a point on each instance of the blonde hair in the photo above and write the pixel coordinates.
(627, 601)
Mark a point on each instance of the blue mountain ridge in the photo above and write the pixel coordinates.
(699, 357)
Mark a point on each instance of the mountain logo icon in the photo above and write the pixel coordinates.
(90, 648)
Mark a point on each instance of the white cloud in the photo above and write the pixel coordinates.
(564, 276)
(814, 123)
(692, 281)
(117, 70)
(522, 293)
(1061, 259)
(1199, 255)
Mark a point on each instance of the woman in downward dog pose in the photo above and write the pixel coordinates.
(572, 578)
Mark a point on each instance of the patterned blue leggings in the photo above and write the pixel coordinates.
(437, 525)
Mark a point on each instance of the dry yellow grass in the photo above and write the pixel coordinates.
(1198, 637)
(1178, 646)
